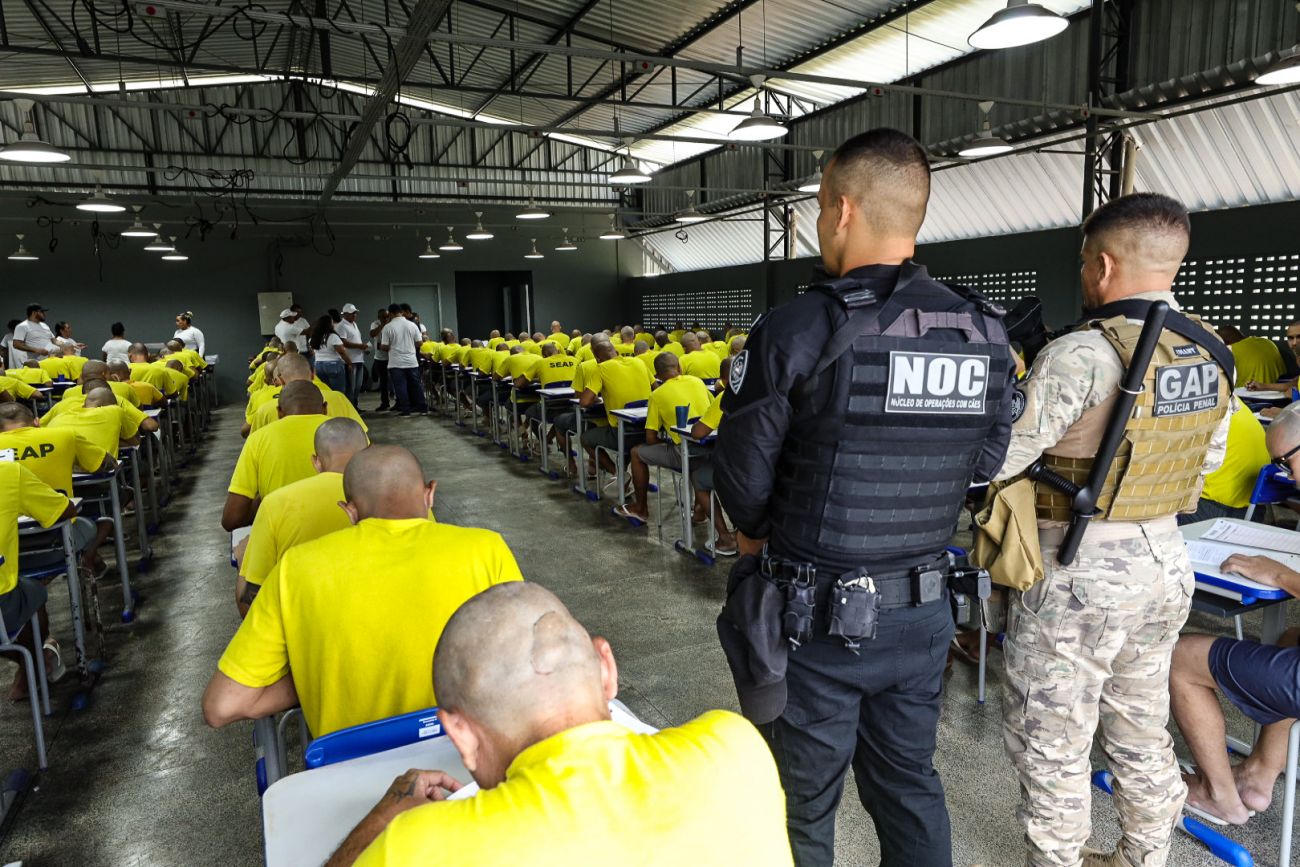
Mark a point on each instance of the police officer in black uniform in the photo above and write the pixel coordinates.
(857, 417)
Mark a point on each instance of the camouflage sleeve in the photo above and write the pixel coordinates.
(1219, 444)
(1072, 374)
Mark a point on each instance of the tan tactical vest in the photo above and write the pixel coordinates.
(1157, 470)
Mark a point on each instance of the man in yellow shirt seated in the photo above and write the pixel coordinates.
(261, 409)
(100, 420)
(675, 390)
(147, 395)
(275, 455)
(664, 343)
(97, 371)
(553, 370)
(30, 373)
(15, 389)
(626, 344)
(1257, 358)
(56, 365)
(696, 361)
(524, 697)
(618, 381)
(557, 335)
(142, 370)
(1226, 492)
(346, 624)
(300, 511)
(23, 493)
(76, 397)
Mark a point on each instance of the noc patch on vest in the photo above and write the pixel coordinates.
(937, 382)
(1182, 389)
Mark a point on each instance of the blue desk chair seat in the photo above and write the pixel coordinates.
(374, 737)
(1272, 487)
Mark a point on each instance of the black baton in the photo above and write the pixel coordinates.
(1084, 503)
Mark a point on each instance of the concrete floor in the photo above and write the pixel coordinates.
(137, 779)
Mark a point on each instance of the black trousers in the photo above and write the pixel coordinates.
(877, 711)
(379, 370)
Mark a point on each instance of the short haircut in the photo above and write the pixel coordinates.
(1147, 228)
(337, 436)
(549, 349)
(138, 349)
(94, 369)
(15, 415)
(119, 368)
(118, 329)
(13, 323)
(724, 369)
(293, 367)
(394, 309)
(91, 384)
(887, 174)
(301, 398)
(666, 363)
(97, 397)
(1283, 433)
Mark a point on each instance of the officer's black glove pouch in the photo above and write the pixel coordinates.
(800, 606)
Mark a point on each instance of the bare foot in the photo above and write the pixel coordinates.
(18, 692)
(1254, 786)
(1228, 807)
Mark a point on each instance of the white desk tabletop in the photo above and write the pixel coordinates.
(634, 413)
(26, 522)
(685, 431)
(556, 392)
(1210, 579)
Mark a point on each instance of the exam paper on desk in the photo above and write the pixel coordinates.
(1243, 535)
(1208, 556)
(616, 712)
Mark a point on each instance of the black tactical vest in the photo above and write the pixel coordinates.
(877, 472)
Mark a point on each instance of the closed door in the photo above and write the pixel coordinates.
(424, 298)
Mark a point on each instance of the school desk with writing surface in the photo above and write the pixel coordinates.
(686, 500)
(547, 395)
(29, 527)
(130, 457)
(1224, 594)
(102, 488)
(516, 436)
(577, 451)
(627, 420)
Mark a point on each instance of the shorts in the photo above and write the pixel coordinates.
(661, 455)
(19, 604)
(607, 438)
(702, 478)
(565, 421)
(1262, 680)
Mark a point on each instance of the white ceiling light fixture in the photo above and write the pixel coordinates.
(814, 183)
(534, 253)
(29, 148)
(688, 214)
(175, 255)
(429, 252)
(986, 144)
(158, 245)
(1021, 23)
(137, 229)
(22, 254)
(613, 233)
(1286, 70)
(759, 126)
(628, 171)
(532, 212)
(451, 246)
(99, 203)
(566, 245)
(479, 233)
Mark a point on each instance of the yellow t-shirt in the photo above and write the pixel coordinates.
(648, 359)
(16, 387)
(493, 341)
(530, 347)
(178, 384)
(356, 616)
(133, 412)
(706, 792)
(701, 363)
(559, 338)
(29, 375)
(619, 381)
(430, 348)
(450, 353)
(276, 455)
(585, 353)
(51, 453)
(1257, 359)
(337, 405)
(262, 395)
(57, 368)
(499, 362)
(257, 380)
(298, 512)
(190, 358)
(22, 493)
(480, 358)
(1233, 482)
(625, 348)
(681, 390)
(648, 339)
(105, 426)
(158, 377)
(720, 348)
(123, 390)
(674, 347)
(713, 415)
(676, 334)
(522, 364)
(557, 368)
(148, 394)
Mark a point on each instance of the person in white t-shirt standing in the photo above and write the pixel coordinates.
(350, 333)
(379, 371)
(7, 342)
(189, 335)
(400, 338)
(118, 347)
(291, 327)
(32, 337)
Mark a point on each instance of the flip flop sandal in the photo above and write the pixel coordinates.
(1189, 768)
(56, 671)
(625, 512)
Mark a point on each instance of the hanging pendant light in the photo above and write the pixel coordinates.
(814, 183)
(628, 171)
(759, 126)
(1284, 71)
(613, 233)
(429, 252)
(532, 212)
(99, 203)
(22, 254)
(566, 245)
(175, 255)
(986, 144)
(451, 246)
(137, 229)
(1021, 23)
(29, 148)
(479, 233)
(688, 214)
(534, 253)
(158, 244)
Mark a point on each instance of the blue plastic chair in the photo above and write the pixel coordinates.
(374, 737)
(1272, 486)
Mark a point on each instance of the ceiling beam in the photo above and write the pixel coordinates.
(424, 18)
(535, 59)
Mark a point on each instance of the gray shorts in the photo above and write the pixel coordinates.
(661, 454)
(19, 604)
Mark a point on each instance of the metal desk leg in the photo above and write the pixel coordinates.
(141, 524)
(1288, 795)
(74, 602)
(984, 638)
(546, 463)
(688, 537)
(146, 442)
(267, 743)
(473, 400)
(580, 458)
(456, 377)
(119, 540)
(496, 414)
(621, 496)
(1274, 623)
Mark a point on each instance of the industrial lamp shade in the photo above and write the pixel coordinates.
(534, 253)
(451, 246)
(22, 254)
(813, 184)
(479, 233)
(629, 173)
(1284, 71)
(689, 215)
(759, 126)
(566, 245)
(532, 212)
(30, 149)
(1020, 23)
(98, 203)
(429, 252)
(986, 145)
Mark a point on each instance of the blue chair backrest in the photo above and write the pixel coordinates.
(374, 737)
(1295, 393)
(634, 404)
(1272, 486)
(711, 382)
(562, 383)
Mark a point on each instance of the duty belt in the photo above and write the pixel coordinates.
(897, 588)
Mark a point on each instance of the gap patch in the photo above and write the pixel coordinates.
(936, 382)
(1182, 389)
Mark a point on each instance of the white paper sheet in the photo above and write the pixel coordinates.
(1260, 395)
(1253, 536)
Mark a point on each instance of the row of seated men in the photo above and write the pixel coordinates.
(82, 431)
(522, 689)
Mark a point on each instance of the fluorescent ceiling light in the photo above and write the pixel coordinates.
(21, 254)
(158, 245)
(629, 173)
(429, 252)
(688, 214)
(451, 246)
(1020, 23)
(175, 255)
(29, 148)
(532, 212)
(985, 146)
(566, 245)
(1284, 71)
(613, 233)
(137, 229)
(98, 203)
(813, 184)
(534, 254)
(758, 126)
(479, 233)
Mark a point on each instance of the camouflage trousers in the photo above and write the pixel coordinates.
(1091, 643)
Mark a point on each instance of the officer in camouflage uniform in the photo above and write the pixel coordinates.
(1091, 642)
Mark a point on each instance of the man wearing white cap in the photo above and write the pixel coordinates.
(350, 333)
(291, 327)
